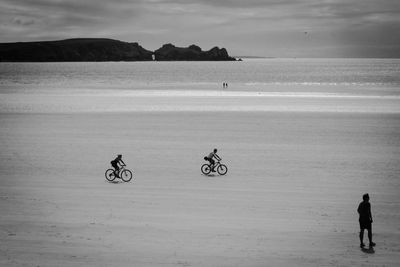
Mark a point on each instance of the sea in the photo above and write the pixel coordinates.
(372, 78)
(249, 74)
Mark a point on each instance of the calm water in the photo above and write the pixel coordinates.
(379, 72)
(253, 74)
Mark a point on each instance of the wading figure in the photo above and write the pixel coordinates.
(364, 210)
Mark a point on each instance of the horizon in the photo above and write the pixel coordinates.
(256, 28)
(205, 49)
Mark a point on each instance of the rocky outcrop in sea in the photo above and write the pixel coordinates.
(169, 52)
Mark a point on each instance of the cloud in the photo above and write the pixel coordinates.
(265, 25)
(23, 21)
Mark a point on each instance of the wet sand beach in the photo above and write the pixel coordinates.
(295, 179)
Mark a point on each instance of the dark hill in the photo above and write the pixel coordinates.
(91, 49)
(98, 49)
(169, 52)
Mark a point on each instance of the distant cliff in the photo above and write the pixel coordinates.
(97, 49)
(91, 49)
(169, 52)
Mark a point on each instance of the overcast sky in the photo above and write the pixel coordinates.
(275, 28)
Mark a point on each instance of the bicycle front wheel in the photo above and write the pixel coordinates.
(222, 169)
(126, 175)
(110, 175)
(205, 169)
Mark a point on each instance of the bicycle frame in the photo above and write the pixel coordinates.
(216, 164)
(121, 169)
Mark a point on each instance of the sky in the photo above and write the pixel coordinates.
(268, 28)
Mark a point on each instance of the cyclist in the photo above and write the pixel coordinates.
(211, 157)
(115, 162)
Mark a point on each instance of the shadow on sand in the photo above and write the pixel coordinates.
(116, 182)
(369, 250)
(211, 175)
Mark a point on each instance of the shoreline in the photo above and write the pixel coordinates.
(101, 101)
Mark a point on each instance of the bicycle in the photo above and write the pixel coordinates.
(221, 168)
(124, 174)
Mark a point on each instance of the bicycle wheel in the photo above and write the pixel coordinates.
(205, 169)
(110, 175)
(126, 175)
(222, 169)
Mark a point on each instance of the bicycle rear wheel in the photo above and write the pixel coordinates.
(206, 169)
(222, 169)
(110, 175)
(126, 175)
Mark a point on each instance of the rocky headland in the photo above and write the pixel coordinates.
(74, 50)
(98, 49)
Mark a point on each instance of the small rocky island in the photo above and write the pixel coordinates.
(99, 49)
(169, 52)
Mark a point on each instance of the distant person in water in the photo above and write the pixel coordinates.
(364, 210)
(211, 157)
(116, 162)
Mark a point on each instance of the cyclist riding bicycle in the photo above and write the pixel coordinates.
(115, 162)
(211, 157)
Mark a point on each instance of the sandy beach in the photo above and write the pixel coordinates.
(289, 198)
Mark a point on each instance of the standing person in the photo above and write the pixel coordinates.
(364, 210)
(211, 157)
(115, 163)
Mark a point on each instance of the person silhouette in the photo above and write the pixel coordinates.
(365, 220)
(211, 157)
(115, 163)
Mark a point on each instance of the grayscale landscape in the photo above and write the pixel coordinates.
(307, 121)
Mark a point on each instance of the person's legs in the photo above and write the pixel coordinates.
(116, 169)
(362, 238)
(212, 162)
(371, 244)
